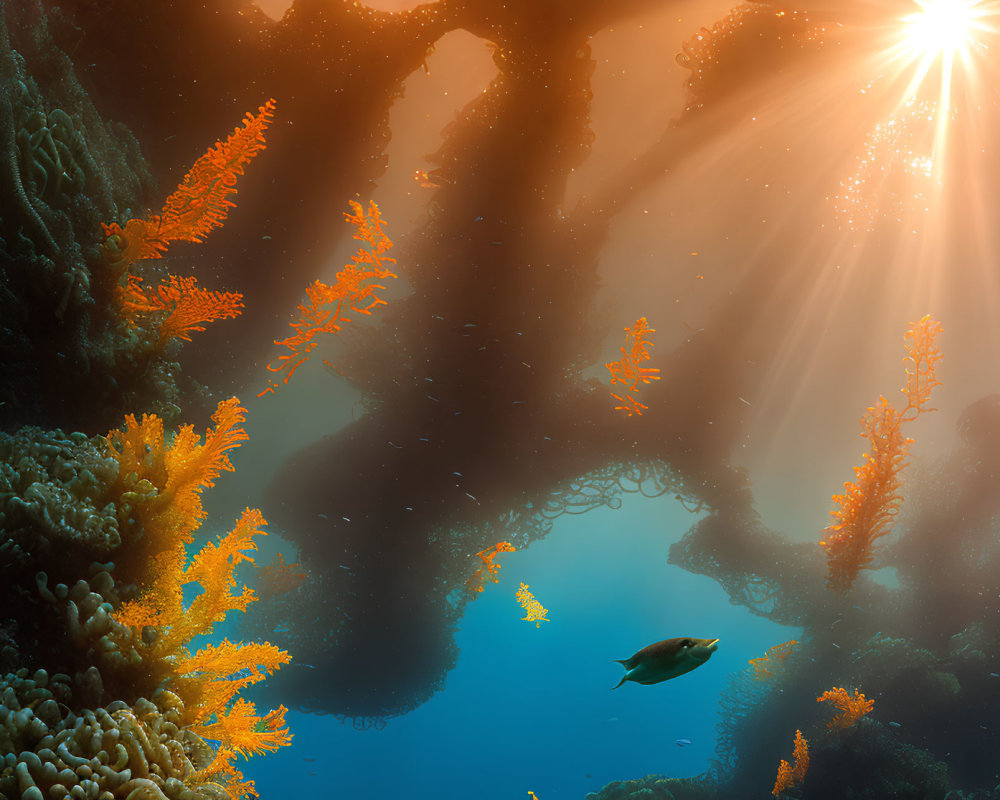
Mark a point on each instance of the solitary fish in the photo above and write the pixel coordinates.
(667, 659)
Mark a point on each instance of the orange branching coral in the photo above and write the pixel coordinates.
(628, 372)
(199, 204)
(533, 610)
(852, 708)
(353, 290)
(788, 776)
(162, 483)
(213, 567)
(180, 305)
(278, 578)
(224, 670)
(159, 487)
(867, 508)
(768, 664)
(489, 568)
(246, 732)
(212, 677)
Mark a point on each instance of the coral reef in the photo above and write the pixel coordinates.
(873, 762)
(119, 750)
(92, 562)
(63, 169)
(656, 787)
(480, 424)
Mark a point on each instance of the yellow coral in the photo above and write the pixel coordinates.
(534, 612)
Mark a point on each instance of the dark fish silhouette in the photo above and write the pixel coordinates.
(667, 659)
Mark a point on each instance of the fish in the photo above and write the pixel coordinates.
(682, 742)
(667, 659)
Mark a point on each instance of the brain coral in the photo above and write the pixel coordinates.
(136, 751)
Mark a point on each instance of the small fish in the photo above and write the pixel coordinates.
(682, 742)
(667, 659)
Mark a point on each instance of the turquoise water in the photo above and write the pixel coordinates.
(531, 708)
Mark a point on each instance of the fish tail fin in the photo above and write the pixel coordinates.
(624, 678)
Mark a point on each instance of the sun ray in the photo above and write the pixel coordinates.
(936, 41)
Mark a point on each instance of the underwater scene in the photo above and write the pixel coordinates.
(508, 399)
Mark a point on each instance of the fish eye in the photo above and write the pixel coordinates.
(687, 643)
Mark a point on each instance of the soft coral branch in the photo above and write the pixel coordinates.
(159, 499)
(199, 204)
(180, 305)
(353, 290)
(868, 506)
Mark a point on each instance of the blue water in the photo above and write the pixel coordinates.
(531, 708)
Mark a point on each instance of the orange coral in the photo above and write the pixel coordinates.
(852, 708)
(788, 776)
(180, 305)
(766, 666)
(628, 372)
(868, 506)
(159, 487)
(163, 483)
(489, 567)
(278, 577)
(216, 665)
(353, 290)
(201, 201)
(212, 677)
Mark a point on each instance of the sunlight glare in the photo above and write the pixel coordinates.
(941, 27)
(941, 32)
(933, 44)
